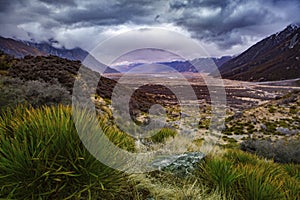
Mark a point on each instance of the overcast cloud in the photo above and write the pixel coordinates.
(224, 26)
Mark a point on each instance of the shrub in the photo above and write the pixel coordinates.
(281, 151)
(272, 109)
(4, 66)
(42, 157)
(293, 110)
(48, 69)
(36, 93)
(229, 139)
(5, 61)
(204, 123)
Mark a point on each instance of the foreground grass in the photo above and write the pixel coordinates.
(240, 175)
(233, 174)
(42, 157)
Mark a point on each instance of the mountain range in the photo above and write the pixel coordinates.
(206, 65)
(276, 57)
(20, 49)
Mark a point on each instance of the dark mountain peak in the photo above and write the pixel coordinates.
(293, 26)
(289, 30)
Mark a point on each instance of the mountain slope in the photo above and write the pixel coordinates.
(276, 57)
(19, 49)
(70, 54)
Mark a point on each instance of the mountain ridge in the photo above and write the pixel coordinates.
(276, 57)
(20, 49)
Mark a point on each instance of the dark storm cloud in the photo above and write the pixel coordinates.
(70, 12)
(177, 4)
(60, 3)
(111, 13)
(225, 23)
(4, 6)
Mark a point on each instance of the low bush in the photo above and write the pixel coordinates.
(5, 61)
(281, 151)
(272, 109)
(14, 91)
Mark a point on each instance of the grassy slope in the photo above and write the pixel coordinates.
(42, 157)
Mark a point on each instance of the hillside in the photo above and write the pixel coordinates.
(276, 57)
(49, 80)
(20, 49)
(277, 119)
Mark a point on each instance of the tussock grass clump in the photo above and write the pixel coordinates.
(293, 170)
(264, 179)
(42, 157)
(240, 157)
(241, 175)
(220, 175)
(163, 134)
(261, 182)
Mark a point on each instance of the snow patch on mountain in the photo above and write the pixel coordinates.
(293, 41)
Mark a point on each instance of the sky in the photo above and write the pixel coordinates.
(223, 27)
